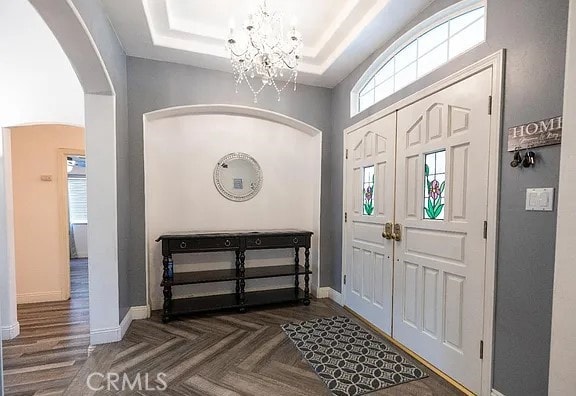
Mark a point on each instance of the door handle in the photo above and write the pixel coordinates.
(388, 234)
(397, 233)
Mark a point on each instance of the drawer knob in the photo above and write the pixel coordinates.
(258, 242)
(295, 240)
(227, 243)
(183, 245)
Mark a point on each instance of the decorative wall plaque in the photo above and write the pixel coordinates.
(535, 134)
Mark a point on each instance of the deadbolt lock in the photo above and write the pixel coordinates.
(397, 234)
(387, 231)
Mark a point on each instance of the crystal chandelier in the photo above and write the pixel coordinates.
(262, 53)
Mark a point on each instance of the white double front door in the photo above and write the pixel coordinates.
(416, 204)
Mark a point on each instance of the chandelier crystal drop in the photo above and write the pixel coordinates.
(262, 53)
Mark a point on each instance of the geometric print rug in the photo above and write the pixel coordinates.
(349, 359)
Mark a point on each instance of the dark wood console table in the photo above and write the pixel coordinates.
(238, 242)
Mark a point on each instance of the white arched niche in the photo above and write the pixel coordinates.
(181, 148)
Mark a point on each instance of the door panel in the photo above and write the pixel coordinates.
(441, 202)
(371, 153)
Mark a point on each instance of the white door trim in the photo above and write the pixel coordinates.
(8, 306)
(563, 340)
(64, 220)
(496, 62)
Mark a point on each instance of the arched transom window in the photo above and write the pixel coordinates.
(423, 49)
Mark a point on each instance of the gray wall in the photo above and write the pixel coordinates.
(1, 366)
(115, 60)
(534, 35)
(154, 85)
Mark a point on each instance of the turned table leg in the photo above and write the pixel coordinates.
(297, 268)
(237, 274)
(242, 301)
(167, 278)
(307, 276)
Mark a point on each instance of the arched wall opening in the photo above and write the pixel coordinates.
(182, 145)
(65, 21)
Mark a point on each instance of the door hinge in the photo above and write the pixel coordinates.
(490, 105)
(344, 279)
(346, 153)
(345, 217)
(481, 349)
(485, 231)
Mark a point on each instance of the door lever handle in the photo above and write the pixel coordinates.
(397, 233)
(388, 234)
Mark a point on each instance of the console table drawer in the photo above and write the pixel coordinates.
(201, 244)
(276, 241)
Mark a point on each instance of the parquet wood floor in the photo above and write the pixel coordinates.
(226, 354)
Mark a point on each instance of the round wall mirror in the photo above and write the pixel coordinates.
(238, 177)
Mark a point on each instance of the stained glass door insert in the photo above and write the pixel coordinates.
(435, 184)
(368, 191)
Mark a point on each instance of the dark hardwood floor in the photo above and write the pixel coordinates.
(208, 355)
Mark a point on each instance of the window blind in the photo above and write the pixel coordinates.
(77, 200)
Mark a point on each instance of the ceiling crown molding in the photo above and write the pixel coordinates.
(338, 34)
(170, 26)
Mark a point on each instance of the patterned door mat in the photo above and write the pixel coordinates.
(350, 360)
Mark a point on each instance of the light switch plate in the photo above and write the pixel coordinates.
(540, 199)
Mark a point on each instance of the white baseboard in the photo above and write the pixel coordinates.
(10, 332)
(105, 336)
(126, 322)
(115, 334)
(141, 312)
(134, 313)
(335, 296)
(328, 292)
(38, 297)
(313, 290)
(496, 393)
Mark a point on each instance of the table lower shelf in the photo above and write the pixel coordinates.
(196, 277)
(229, 301)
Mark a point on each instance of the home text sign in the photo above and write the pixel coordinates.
(535, 134)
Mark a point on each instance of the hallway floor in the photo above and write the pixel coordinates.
(53, 341)
(209, 355)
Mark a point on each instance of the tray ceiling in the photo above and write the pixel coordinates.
(338, 34)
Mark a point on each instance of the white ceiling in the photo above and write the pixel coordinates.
(38, 82)
(338, 34)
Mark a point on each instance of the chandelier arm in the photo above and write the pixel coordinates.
(287, 65)
(284, 61)
(284, 54)
(253, 43)
(238, 55)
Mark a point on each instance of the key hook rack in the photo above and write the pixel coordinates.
(523, 159)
